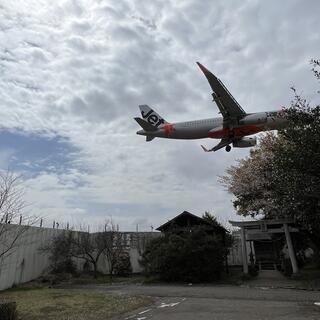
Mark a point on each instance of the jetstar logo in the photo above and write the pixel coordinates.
(152, 118)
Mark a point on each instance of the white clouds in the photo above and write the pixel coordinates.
(79, 69)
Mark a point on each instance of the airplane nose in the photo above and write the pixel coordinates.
(140, 132)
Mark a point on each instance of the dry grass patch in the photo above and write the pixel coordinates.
(64, 304)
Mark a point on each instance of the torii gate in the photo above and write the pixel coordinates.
(266, 227)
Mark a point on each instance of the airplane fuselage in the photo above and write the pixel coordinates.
(251, 123)
(233, 128)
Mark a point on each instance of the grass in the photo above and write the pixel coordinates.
(64, 304)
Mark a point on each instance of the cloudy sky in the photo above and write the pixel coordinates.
(73, 73)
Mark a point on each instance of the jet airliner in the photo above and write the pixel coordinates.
(233, 128)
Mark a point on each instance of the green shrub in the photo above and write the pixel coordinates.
(253, 271)
(60, 257)
(8, 310)
(194, 256)
(123, 266)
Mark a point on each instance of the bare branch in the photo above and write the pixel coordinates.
(12, 205)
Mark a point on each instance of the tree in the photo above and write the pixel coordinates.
(251, 180)
(113, 247)
(297, 164)
(185, 256)
(60, 250)
(88, 247)
(281, 177)
(211, 219)
(70, 245)
(123, 266)
(11, 207)
(225, 236)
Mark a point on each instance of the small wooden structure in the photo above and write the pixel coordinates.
(185, 221)
(264, 233)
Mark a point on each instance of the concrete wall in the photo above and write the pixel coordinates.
(135, 243)
(26, 262)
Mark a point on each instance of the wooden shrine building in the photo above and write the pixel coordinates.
(186, 221)
(267, 240)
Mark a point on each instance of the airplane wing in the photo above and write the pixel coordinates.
(223, 143)
(226, 103)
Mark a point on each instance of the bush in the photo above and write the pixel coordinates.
(8, 311)
(55, 278)
(60, 253)
(253, 271)
(287, 267)
(122, 266)
(194, 256)
(64, 266)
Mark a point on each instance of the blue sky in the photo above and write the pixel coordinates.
(34, 153)
(73, 73)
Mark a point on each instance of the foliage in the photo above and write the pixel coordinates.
(225, 237)
(185, 256)
(113, 249)
(251, 180)
(297, 167)
(89, 247)
(60, 249)
(297, 163)
(86, 246)
(281, 177)
(8, 311)
(123, 266)
(207, 216)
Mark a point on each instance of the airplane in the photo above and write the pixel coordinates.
(233, 127)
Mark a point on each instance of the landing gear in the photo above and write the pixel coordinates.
(228, 148)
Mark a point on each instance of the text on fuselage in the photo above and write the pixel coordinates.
(152, 118)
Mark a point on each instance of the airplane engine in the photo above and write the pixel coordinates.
(245, 142)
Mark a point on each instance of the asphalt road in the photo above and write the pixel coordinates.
(219, 302)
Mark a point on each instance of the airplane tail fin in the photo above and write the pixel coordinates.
(151, 116)
(146, 126)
